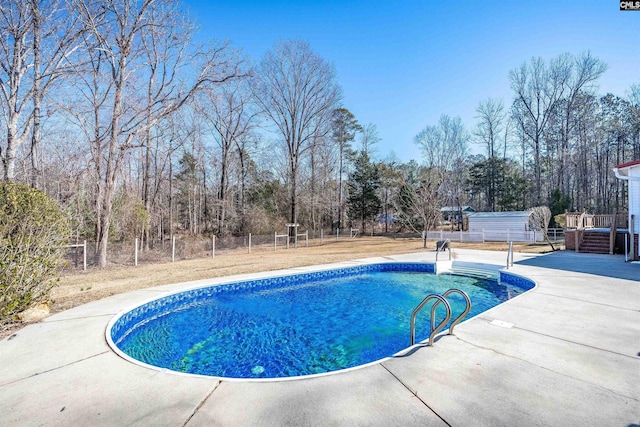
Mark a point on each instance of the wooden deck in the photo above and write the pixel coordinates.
(596, 233)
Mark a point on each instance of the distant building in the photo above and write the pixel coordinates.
(504, 226)
(389, 219)
(630, 172)
(453, 212)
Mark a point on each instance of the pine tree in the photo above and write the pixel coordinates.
(363, 202)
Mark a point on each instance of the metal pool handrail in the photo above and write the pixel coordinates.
(466, 309)
(434, 329)
(510, 256)
(445, 242)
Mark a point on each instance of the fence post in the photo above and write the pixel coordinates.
(321, 236)
(135, 253)
(213, 246)
(441, 238)
(307, 236)
(84, 253)
(337, 233)
(173, 249)
(460, 235)
(275, 241)
(249, 242)
(84, 256)
(483, 235)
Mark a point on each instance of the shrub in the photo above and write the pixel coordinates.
(33, 232)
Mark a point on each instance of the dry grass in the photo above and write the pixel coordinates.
(79, 288)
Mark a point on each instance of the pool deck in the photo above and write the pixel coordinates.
(565, 353)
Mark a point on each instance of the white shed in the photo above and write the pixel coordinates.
(630, 172)
(504, 226)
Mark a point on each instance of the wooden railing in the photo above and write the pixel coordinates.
(575, 220)
(578, 221)
(582, 221)
(571, 221)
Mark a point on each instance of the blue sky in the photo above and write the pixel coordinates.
(403, 64)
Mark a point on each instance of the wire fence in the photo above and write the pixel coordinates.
(81, 255)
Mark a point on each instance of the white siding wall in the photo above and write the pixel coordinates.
(503, 228)
(634, 198)
(517, 223)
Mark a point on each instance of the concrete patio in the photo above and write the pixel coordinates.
(565, 353)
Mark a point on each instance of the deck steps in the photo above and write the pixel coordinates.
(595, 243)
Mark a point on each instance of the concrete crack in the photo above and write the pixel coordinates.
(202, 402)
(415, 394)
(55, 369)
(45, 321)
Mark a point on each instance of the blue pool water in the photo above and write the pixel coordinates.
(297, 325)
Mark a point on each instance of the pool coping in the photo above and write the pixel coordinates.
(278, 274)
(565, 366)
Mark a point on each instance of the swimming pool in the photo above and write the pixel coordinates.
(296, 325)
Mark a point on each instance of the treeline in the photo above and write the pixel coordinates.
(115, 111)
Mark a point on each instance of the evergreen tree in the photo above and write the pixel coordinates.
(499, 183)
(345, 126)
(559, 202)
(363, 201)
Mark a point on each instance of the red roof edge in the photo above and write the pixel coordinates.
(629, 164)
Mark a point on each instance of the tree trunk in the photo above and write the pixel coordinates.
(340, 186)
(146, 181)
(294, 173)
(114, 160)
(313, 187)
(37, 95)
(243, 179)
(538, 170)
(222, 194)
(13, 142)
(170, 194)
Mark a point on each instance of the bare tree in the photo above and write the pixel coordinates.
(539, 220)
(490, 118)
(297, 92)
(444, 144)
(584, 70)
(15, 62)
(230, 112)
(369, 138)
(538, 87)
(444, 147)
(121, 115)
(166, 52)
(318, 142)
(490, 115)
(419, 199)
(634, 101)
(38, 37)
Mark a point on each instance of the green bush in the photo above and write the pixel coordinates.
(33, 232)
